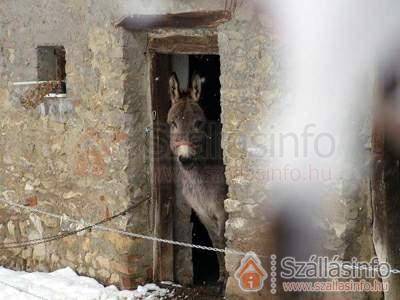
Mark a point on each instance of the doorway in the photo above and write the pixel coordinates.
(174, 218)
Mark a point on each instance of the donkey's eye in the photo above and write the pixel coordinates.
(198, 124)
(173, 124)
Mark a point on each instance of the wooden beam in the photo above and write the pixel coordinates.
(184, 44)
(163, 188)
(205, 19)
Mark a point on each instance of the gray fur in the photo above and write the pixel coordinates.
(202, 186)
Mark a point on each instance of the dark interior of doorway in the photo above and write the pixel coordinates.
(205, 263)
(182, 264)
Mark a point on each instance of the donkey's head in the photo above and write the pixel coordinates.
(186, 120)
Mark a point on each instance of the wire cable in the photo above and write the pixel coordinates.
(47, 239)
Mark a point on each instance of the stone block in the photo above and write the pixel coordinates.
(103, 262)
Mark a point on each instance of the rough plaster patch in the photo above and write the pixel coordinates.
(37, 223)
(237, 223)
(71, 194)
(4, 96)
(339, 228)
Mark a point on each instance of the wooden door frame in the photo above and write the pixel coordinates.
(163, 254)
(386, 246)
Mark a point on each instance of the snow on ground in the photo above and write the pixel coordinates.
(65, 284)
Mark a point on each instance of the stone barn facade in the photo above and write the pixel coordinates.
(88, 154)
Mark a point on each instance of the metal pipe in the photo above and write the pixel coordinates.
(34, 82)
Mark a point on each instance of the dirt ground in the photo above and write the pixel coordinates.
(209, 292)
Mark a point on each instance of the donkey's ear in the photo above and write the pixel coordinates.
(174, 90)
(196, 87)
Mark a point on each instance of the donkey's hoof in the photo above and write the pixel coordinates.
(221, 287)
(222, 283)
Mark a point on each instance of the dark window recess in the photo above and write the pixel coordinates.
(51, 66)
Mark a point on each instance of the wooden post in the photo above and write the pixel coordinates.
(386, 197)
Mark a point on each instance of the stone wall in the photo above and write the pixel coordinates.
(249, 73)
(91, 164)
(252, 100)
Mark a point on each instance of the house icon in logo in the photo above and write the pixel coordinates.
(251, 274)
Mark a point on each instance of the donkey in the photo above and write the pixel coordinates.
(203, 187)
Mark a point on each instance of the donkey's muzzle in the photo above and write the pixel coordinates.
(184, 160)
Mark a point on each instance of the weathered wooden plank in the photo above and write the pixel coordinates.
(163, 185)
(185, 44)
(385, 196)
(207, 19)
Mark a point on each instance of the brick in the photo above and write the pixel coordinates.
(127, 283)
(31, 201)
(120, 136)
(123, 267)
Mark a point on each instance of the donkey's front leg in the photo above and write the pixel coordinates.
(216, 228)
(221, 263)
(221, 244)
(218, 242)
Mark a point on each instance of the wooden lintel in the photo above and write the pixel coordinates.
(184, 44)
(205, 19)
